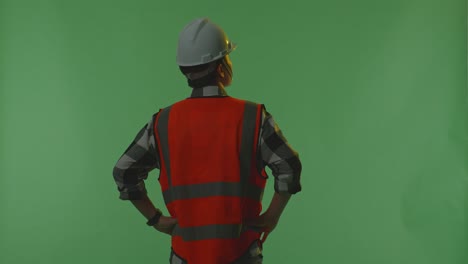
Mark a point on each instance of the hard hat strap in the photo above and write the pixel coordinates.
(227, 67)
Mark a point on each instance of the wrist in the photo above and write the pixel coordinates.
(155, 219)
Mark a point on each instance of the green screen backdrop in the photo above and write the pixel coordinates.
(371, 93)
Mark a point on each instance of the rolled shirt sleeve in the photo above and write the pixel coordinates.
(279, 156)
(132, 169)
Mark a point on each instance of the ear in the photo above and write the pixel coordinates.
(219, 69)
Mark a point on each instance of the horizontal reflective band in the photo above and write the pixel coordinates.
(211, 232)
(211, 189)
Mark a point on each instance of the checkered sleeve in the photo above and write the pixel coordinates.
(279, 156)
(134, 165)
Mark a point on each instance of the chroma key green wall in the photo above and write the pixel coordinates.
(371, 93)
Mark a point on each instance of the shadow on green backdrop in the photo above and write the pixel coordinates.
(372, 94)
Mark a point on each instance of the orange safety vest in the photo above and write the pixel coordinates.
(209, 175)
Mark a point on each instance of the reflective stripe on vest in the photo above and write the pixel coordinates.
(210, 189)
(240, 189)
(162, 123)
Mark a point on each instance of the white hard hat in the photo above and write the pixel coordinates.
(201, 42)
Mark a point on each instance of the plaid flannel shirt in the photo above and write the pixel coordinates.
(141, 157)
